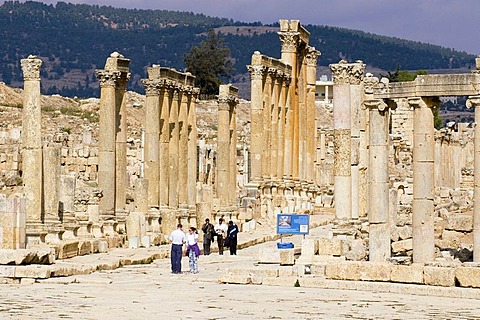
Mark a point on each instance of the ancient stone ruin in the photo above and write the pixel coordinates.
(403, 193)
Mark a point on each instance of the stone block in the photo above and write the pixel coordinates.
(375, 271)
(330, 247)
(33, 271)
(343, 270)
(287, 257)
(459, 222)
(402, 246)
(407, 274)
(67, 193)
(84, 248)
(27, 281)
(235, 278)
(269, 255)
(7, 271)
(437, 276)
(68, 250)
(468, 276)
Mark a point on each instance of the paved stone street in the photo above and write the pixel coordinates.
(152, 292)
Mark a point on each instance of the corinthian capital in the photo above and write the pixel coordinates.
(31, 68)
(348, 73)
(107, 77)
(152, 87)
(289, 40)
(312, 56)
(256, 71)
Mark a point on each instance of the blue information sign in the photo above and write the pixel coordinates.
(292, 223)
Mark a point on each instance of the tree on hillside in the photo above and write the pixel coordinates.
(210, 63)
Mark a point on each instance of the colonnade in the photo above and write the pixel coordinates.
(170, 145)
(283, 131)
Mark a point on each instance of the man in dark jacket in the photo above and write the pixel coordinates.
(208, 236)
(232, 237)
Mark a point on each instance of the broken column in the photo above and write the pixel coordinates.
(32, 150)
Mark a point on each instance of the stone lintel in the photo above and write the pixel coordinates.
(265, 63)
(295, 27)
(437, 85)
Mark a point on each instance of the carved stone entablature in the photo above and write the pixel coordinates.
(311, 56)
(31, 68)
(424, 102)
(473, 101)
(290, 40)
(256, 72)
(107, 78)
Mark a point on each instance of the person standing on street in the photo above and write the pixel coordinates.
(232, 237)
(208, 235)
(221, 230)
(193, 251)
(178, 238)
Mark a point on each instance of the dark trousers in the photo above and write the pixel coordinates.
(206, 245)
(176, 258)
(233, 246)
(220, 244)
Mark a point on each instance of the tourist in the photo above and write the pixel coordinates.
(232, 237)
(208, 236)
(178, 239)
(221, 230)
(193, 251)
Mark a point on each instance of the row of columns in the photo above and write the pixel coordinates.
(171, 145)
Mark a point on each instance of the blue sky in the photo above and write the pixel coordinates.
(449, 23)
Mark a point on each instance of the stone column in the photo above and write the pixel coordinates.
(223, 149)
(173, 152)
(290, 41)
(267, 125)
(32, 149)
(378, 211)
(257, 74)
(233, 148)
(356, 97)
(282, 125)
(192, 151)
(183, 151)
(474, 101)
(423, 179)
(165, 106)
(121, 147)
(152, 141)
(342, 139)
(302, 121)
(274, 133)
(311, 58)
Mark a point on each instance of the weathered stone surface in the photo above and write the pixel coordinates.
(41, 255)
(407, 274)
(330, 247)
(375, 271)
(68, 250)
(357, 251)
(402, 246)
(65, 269)
(343, 271)
(459, 222)
(33, 271)
(468, 276)
(437, 276)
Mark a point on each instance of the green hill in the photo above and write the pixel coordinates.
(75, 39)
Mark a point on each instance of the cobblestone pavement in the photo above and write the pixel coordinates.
(152, 292)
